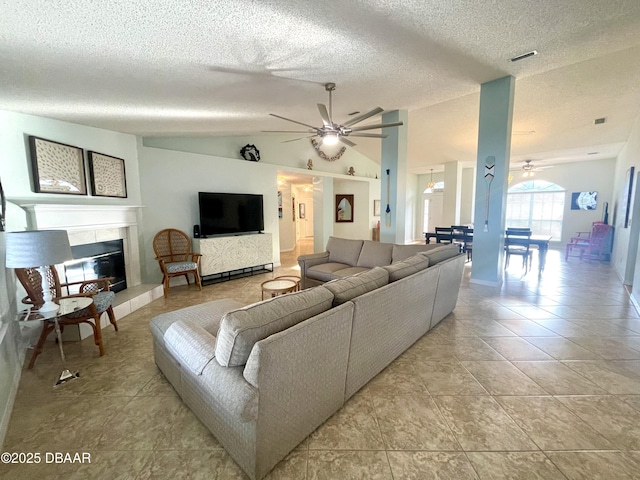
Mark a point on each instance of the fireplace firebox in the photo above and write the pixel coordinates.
(97, 260)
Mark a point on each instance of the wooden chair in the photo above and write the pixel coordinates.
(517, 242)
(593, 244)
(99, 290)
(173, 252)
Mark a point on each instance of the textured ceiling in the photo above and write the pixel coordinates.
(215, 68)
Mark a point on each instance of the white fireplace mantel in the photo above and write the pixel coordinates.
(92, 224)
(81, 217)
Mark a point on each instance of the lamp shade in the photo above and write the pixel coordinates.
(36, 248)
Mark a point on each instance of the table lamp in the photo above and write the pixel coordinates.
(38, 248)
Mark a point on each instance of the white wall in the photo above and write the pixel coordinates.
(596, 175)
(361, 226)
(286, 224)
(622, 242)
(272, 151)
(15, 172)
(15, 168)
(170, 182)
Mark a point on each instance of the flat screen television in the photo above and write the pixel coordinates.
(230, 213)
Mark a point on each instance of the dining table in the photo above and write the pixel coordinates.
(539, 240)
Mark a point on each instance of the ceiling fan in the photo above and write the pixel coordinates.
(332, 133)
(529, 168)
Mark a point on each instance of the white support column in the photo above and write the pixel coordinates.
(452, 193)
(323, 209)
(394, 159)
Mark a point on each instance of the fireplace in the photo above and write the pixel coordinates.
(97, 260)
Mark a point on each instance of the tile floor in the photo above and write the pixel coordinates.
(537, 380)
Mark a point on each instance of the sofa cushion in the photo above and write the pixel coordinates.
(325, 271)
(241, 329)
(344, 289)
(375, 254)
(343, 250)
(191, 344)
(207, 315)
(348, 272)
(439, 254)
(400, 252)
(407, 267)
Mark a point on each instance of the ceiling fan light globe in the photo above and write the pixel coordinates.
(330, 139)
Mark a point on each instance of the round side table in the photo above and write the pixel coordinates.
(277, 287)
(293, 278)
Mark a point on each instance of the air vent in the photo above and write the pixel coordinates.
(593, 153)
(354, 113)
(599, 121)
(524, 55)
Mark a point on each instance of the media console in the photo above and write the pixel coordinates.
(224, 258)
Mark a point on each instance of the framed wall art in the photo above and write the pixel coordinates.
(584, 200)
(301, 210)
(56, 167)
(344, 208)
(627, 188)
(376, 208)
(108, 177)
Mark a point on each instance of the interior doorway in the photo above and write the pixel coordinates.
(431, 212)
(295, 210)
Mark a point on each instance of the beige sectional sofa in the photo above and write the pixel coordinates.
(345, 257)
(263, 377)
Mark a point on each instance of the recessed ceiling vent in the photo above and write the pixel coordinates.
(599, 121)
(524, 55)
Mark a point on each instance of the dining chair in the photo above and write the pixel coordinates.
(99, 290)
(444, 235)
(468, 243)
(173, 252)
(517, 242)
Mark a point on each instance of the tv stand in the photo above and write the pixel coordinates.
(224, 258)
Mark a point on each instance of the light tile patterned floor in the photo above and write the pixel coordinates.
(537, 380)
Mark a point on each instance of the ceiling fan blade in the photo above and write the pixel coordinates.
(288, 131)
(376, 126)
(369, 135)
(294, 121)
(296, 139)
(346, 141)
(326, 119)
(364, 116)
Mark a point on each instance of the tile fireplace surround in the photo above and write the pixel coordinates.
(99, 223)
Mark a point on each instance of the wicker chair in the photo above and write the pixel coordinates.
(173, 252)
(98, 289)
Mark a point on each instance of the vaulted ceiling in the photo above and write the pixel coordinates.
(167, 67)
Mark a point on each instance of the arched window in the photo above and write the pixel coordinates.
(437, 187)
(536, 204)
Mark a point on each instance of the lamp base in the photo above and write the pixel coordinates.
(49, 307)
(66, 376)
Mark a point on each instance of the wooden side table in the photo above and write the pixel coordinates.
(277, 287)
(293, 278)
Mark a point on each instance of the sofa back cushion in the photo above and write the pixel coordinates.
(345, 289)
(343, 250)
(439, 254)
(400, 252)
(241, 329)
(375, 254)
(407, 267)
